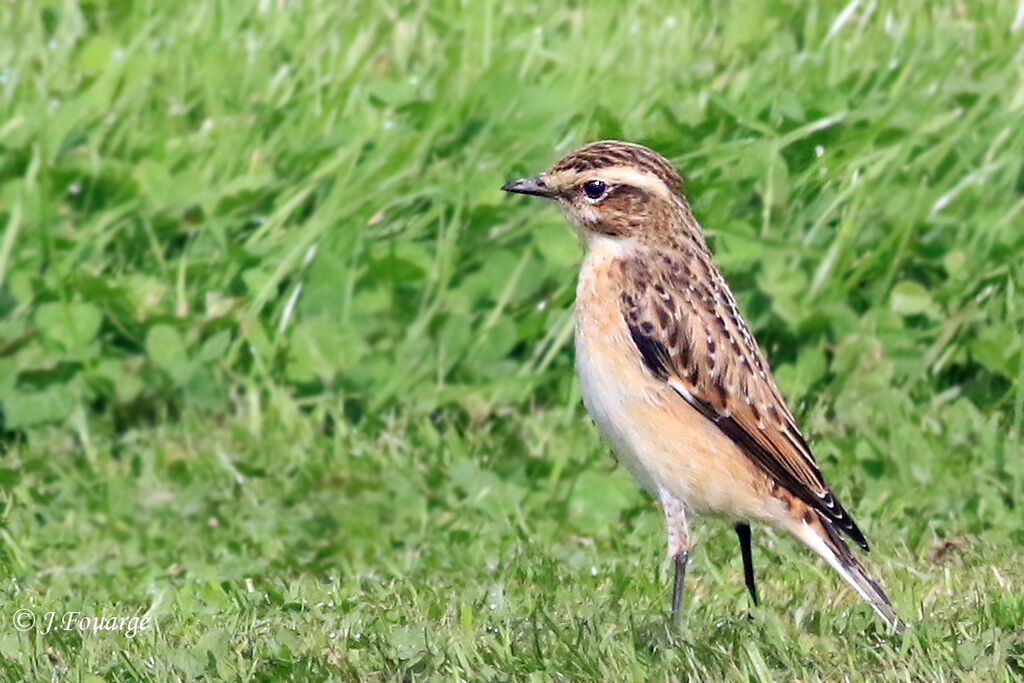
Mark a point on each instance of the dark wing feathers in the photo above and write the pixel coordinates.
(685, 324)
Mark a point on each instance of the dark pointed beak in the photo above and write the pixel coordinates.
(534, 186)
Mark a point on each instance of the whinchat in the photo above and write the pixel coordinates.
(671, 374)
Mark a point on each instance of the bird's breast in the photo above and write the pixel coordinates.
(660, 438)
(613, 380)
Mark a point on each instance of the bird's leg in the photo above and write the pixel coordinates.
(680, 559)
(678, 544)
(743, 531)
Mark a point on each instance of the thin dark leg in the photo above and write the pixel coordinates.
(743, 531)
(677, 584)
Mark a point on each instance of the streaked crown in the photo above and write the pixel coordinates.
(611, 153)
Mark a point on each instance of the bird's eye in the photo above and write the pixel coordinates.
(594, 189)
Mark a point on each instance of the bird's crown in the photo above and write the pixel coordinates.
(606, 154)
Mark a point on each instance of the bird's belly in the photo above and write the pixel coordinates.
(608, 399)
(663, 442)
(658, 437)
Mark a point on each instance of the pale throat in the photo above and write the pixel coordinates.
(604, 247)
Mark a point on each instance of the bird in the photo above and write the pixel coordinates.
(672, 376)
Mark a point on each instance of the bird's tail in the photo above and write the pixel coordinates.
(825, 541)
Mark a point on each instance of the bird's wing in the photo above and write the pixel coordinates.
(685, 323)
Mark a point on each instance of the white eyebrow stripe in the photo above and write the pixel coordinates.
(629, 175)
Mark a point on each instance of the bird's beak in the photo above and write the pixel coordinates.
(534, 186)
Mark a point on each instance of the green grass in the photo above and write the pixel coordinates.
(282, 369)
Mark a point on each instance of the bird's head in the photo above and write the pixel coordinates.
(611, 188)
